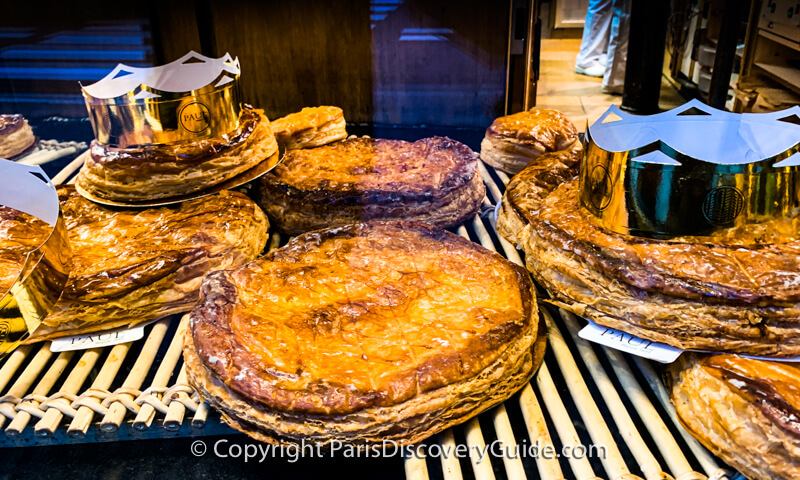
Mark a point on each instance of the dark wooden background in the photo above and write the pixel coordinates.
(385, 62)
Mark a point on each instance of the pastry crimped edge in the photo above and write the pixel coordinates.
(316, 137)
(405, 423)
(96, 179)
(731, 427)
(681, 322)
(512, 155)
(293, 217)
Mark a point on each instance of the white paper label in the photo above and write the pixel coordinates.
(629, 344)
(99, 339)
(645, 348)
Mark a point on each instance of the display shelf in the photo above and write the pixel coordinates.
(582, 395)
(787, 76)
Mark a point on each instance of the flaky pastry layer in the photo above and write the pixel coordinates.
(310, 127)
(718, 408)
(133, 266)
(163, 171)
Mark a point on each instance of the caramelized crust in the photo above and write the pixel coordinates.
(513, 141)
(310, 127)
(161, 171)
(20, 234)
(744, 410)
(361, 318)
(11, 123)
(548, 128)
(133, 266)
(434, 180)
(16, 136)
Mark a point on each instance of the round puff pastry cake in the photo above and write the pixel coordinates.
(513, 141)
(310, 127)
(363, 333)
(745, 411)
(133, 266)
(16, 136)
(434, 180)
(737, 292)
(151, 172)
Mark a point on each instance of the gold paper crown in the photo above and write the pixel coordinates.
(46, 268)
(691, 171)
(191, 98)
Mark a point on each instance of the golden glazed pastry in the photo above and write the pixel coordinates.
(20, 234)
(363, 333)
(737, 292)
(434, 180)
(745, 411)
(133, 266)
(16, 136)
(310, 127)
(513, 141)
(151, 172)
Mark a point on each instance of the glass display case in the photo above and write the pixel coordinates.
(407, 70)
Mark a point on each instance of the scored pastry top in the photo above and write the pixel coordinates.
(547, 128)
(360, 316)
(376, 170)
(116, 251)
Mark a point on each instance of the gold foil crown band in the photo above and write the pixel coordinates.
(45, 270)
(192, 98)
(690, 171)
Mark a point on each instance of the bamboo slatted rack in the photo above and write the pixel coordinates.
(582, 395)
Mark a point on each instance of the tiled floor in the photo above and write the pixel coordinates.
(579, 96)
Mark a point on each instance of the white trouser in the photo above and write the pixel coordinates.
(595, 33)
(606, 33)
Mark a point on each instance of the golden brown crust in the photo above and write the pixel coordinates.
(745, 411)
(310, 127)
(20, 234)
(133, 266)
(16, 135)
(513, 141)
(737, 293)
(361, 320)
(162, 171)
(433, 180)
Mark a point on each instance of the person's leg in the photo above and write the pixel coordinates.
(595, 38)
(614, 77)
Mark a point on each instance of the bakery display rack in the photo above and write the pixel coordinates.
(583, 395)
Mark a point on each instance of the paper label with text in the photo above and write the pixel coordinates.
(98, 339)
(629, 344)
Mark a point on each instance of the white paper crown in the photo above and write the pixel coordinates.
(693, 170)
(193, 97)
